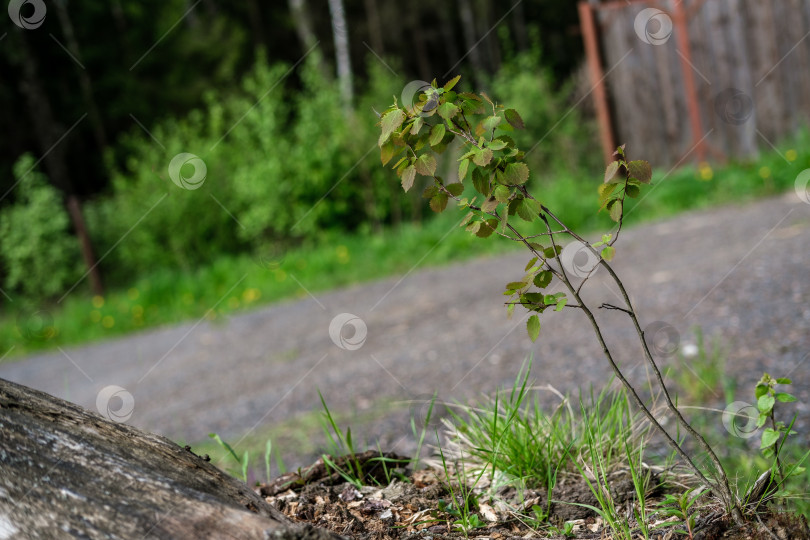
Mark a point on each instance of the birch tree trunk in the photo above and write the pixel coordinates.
(340, 32)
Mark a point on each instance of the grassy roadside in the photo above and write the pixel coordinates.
(232, 284)
(595, 452)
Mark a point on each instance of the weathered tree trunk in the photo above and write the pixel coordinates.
(65, 472)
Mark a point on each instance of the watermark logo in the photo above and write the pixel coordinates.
(426, 411)
(356, 336)
(181, 175)
(269, 257)
(803, 186)
(27, 14)
(662, 339)
(411, 98)
(579, 259)
(653, 26)
(733, 106)
(36, 325)
(740, 419)
(115, 404)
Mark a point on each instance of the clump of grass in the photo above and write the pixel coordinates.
(512, 440)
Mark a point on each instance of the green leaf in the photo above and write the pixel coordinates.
(451, 83)
(783, 380)
(408, 176)
(462, 169)
(439, 202)
(497, 144)
(390, 121)
(528, 209)
(760, 390)
(491, 122)
(640, 170)
(784, 397)
(436, 134)
(429, 192)
(426, 165)
(447, 110)
(487, 228)
(605, 191)
(561, 304)
(387, 151)
(533, 326)
(455, 189)
(418, 122)
(608, 253)
(611, 171)
(542, 279)
(631, 191)
(761, 419)
(615, 209)
(480, 181)
(502, 193)
(765, 403)
(769, 437)
(482, 157)
(514, 119)
(489, 205)
(515, 285)
(515, 174)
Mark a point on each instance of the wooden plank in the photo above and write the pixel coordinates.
(763, 55)
(798, 70)
(745, 119)
(703, 59)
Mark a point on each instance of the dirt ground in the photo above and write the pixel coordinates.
(740, 272)
(421, 506)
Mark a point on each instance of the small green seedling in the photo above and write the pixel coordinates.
(767, 396)
(680, 506)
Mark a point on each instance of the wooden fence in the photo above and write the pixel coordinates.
(685, 80)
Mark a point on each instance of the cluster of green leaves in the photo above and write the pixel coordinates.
(622, 179)
(499, 175)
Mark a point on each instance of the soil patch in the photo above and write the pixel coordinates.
(404, 504)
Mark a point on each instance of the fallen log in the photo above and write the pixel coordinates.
(67, 472)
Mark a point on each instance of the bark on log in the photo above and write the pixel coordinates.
(66, 472)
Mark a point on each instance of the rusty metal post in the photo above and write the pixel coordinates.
(589, 35)
(685, 49)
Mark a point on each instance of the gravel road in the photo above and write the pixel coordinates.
(740, 272)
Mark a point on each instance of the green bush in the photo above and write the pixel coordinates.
(40, 257)
(285, 165)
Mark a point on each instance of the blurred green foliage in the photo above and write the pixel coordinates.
(284, 166)
(294, 188)
(40, 256)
